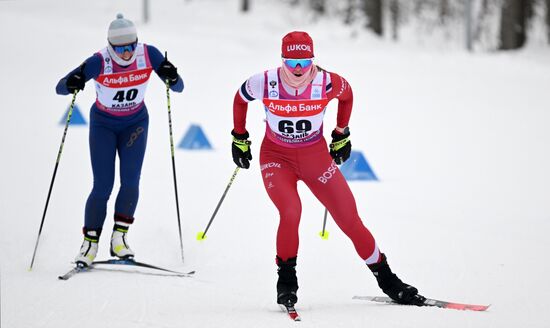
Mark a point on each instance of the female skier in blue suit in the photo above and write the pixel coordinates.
(118, 123)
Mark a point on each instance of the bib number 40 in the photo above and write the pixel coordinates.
(128, 95)
(286, 126)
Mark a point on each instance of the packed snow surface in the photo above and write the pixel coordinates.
(460, 143)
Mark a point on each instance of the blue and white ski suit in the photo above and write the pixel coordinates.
(118, 123)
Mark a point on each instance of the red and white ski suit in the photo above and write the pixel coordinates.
(294, 149)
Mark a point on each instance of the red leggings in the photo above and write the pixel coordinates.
(282, 167)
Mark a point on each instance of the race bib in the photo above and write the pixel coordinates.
(124, 91)
(121, 93)
(295, 121)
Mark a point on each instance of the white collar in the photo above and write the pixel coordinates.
(119, 60)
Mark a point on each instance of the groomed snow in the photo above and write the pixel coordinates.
(459, 141)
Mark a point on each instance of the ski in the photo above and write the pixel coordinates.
(291, 311)
(72, 272)
(130, 262)
(427, 302)
(133, 262)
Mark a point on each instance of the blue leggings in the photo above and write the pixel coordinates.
(108, 135)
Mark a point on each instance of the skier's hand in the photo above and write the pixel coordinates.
(240, 148)
(75, 82)
(340, 147)
(167, 71)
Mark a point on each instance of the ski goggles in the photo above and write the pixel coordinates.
(292, 63)
(123, 48)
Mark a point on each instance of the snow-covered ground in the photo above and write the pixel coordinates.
(459, 141)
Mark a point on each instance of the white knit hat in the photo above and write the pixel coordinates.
(121, 31)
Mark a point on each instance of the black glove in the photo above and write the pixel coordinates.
(340, 147)
(167, 71)
(240, 147)
(75, 82)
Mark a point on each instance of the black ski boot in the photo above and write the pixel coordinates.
(287, 285)
(392, 286)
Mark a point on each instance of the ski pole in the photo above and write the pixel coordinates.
(173, 161)
(202, 235)
(324, 233)
(67, 121)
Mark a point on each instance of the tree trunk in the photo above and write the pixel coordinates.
(245, 6)
(512, 24)
(318, 6)
(394, 17)
(373, 10)
(481, 18)
(145, 11)
(443, 11)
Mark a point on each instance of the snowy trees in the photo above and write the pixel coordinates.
(485, 24)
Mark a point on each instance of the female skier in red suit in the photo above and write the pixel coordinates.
(295, 96)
